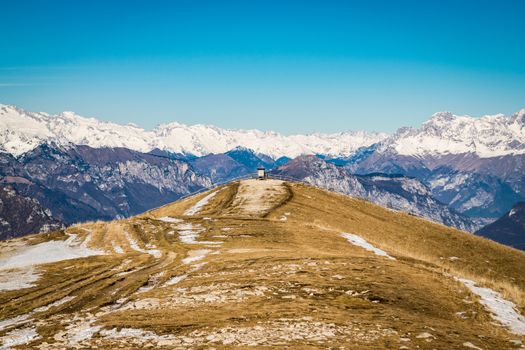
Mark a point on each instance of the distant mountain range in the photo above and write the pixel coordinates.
(461, 171)
(21, 131)
(81, 183)
(444, 134)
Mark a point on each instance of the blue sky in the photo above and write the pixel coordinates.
(289, 66)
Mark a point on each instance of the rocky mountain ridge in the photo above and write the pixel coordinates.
(81, 183)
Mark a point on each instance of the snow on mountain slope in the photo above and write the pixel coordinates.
(22, 131)
(446, 133)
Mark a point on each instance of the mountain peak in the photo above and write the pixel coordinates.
(442, 117)
(448, 134)
(241, 149)
(519, 116)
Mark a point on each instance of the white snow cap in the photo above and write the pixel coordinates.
(28, 130)
(446, 133)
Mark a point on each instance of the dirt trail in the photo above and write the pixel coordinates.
(257, 198)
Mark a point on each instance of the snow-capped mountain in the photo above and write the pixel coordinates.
(474, 165)
(22, 131)
(448, 134)
(444, 134)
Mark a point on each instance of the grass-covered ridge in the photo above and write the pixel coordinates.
(264, 263)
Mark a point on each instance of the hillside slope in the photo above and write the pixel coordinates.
(262, 264)
(392, 191)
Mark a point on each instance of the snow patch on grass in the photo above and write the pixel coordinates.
(284, 217)
(201, 203)
(361, 242)
(118, 249)
(471, 346)
(82, 332)
(169, 219)
(503, 311)
(56, 303)
(175, 280)
(134, 245)
(188, 234)
(48, 252)
(18, 278)
(195, 255)
(155, 252)
(14, 321)
(17, 270)
(25, 317)
(19, 337)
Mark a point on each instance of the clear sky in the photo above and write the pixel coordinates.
(289, 66)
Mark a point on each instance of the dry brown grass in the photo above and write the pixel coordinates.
(403, 235)
(273, 278)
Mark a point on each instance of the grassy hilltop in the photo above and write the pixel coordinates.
(261, 264)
